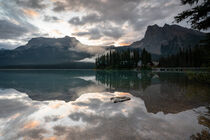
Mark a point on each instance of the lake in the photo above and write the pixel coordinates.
(75, 104)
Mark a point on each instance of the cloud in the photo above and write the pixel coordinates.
(114, 32)
(36, 133)
(31, 124)
(91, 18)
(91, 115)
(9, 107)
(30, 13)
(100, 31)
(16, 29)
(36, 4)
(92, 21)
(51, 18)
(91, 60)
(124, 44)
(10, 30)
(93, 34)
(59, 6)
(118, 11)
(86, 48)
(8, 45)
(118, 18)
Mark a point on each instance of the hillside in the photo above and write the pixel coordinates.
(168, 39)
(45, 51)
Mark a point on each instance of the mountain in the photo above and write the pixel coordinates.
(45, 51)
(68, 51)
(168, 39)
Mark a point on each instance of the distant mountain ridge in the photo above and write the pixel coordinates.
(45, 51)
(69, 51)
(66, 42)
(173, 36)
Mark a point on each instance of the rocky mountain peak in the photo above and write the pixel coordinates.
(70, 38)
(42, 50)
(155, 26)
(166, 26)
(46, 42)
(156, 36)
(152, 30)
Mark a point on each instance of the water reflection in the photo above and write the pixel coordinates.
(75, 104)
(166, 92)
(49, 84)
(125, 80)
(91, 116)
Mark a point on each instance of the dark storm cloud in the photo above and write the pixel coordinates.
(92, 18)
(99, 31)
(118, 11)
(59, 6)
(93, 34)
(14, 25)
(51, 18)
(114, 32)
(36, 4)
(10, 30)
(16, 14)
(36, 133)
(122, 20)
(137, 14)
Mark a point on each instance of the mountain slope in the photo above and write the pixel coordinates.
(45, 51)
(158, 41)
(170, 37)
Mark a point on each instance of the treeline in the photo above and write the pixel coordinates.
(199, 56)
(196, 57)
(123, 59)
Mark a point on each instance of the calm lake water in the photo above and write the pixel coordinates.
(75, 104)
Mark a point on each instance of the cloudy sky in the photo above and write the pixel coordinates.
(93, 22)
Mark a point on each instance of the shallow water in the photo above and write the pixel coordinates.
(75, 104)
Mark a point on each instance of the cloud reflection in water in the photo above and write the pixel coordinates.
(91, 116)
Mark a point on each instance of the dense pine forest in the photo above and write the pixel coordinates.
(190, 57)
(197, 56)
(184, 58)
(123, 59)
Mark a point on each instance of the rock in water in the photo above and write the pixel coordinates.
(119, 99)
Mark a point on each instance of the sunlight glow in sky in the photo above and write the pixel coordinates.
(93, 22)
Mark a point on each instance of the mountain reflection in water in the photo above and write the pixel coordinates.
(91, 116)
(166, 92)
(75, 104)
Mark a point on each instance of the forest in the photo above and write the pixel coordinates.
(197, 56)
(124, 59)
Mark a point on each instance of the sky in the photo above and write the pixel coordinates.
(92, 22)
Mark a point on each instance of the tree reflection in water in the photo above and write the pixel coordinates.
(76, 104)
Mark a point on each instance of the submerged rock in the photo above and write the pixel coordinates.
(120, 99)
